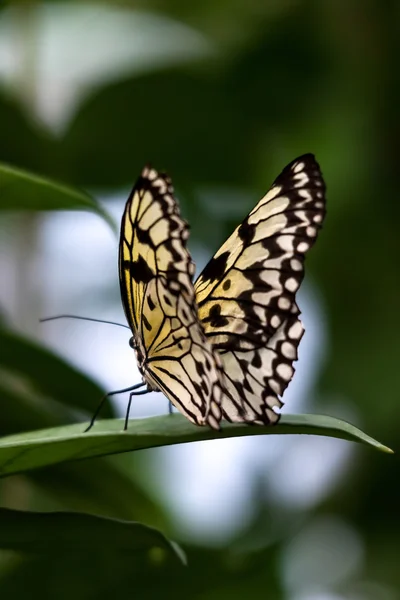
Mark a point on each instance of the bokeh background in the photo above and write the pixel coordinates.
(222, 95)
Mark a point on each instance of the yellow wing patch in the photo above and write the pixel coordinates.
(155, 270)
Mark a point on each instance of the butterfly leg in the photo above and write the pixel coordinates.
(128, 410)
(170, 407)
(104, 398)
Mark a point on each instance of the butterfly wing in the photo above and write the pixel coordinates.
(157, 293)
(246, 293)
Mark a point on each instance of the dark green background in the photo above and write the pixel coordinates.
(284, 78)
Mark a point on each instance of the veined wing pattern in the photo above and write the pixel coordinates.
(246, 293)
(155, 270)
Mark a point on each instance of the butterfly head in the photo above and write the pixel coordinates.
(139, 353)
(141, 359)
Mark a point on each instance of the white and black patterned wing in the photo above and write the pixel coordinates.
(156, 271)
(246, 293)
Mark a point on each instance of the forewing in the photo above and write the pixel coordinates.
(159, 301)
(246, 293)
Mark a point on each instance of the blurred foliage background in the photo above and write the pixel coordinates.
(222, 95)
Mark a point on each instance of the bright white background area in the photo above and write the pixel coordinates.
(72, 268)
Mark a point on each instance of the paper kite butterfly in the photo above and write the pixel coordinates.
(224, 346)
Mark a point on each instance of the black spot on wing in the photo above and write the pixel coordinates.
(150, 303)
(216, 267)
(175, 224)
(144, 237)
(167, 301)
(246, 232)
(215, 318)
(139, 270)
(199, 368)
(146, 323)
(256, 361)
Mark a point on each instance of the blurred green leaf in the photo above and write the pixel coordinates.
(224, 574)
(20, 190)
(101, 486)
(24, 411)
(187, 113)
(19, 453)
(50, 374)
(31, 532)
(23, 141)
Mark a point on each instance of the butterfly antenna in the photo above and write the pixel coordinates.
(82, 319)
(104, 398)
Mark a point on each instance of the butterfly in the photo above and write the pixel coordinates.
(223, 347)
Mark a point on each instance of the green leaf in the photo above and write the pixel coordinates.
(50, 374)
(100, 486)
(21, 190)
(27, 451)
(32, 532)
